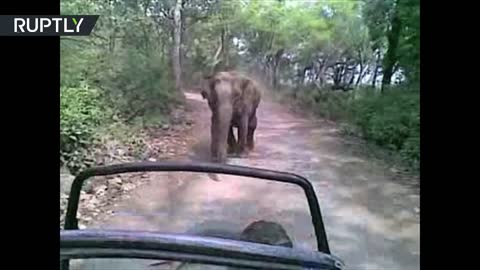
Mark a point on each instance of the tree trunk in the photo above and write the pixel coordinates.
(338, 70)
(216, 64)
(225, 46)
(352, 78)
(276, 62)
(365, 71)
(323, 66)
(301, 74)
(177, 38)
(222, 55)
(274, 77)
(361, 68)
(360, 77)
(183, 40)
(393, 37)
(375, 70)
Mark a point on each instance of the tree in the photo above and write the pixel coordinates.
(393, 38)
(177, 37)
(395, 28)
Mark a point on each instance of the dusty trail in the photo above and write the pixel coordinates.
(370, 218)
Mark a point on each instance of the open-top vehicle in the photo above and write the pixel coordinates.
(192, 249)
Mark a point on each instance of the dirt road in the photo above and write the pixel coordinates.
(370, 218)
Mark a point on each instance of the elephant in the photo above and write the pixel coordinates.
(233, 99)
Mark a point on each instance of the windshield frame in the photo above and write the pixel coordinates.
(82, 244)
(71, 222)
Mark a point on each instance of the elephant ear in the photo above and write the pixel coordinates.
(244, 82)
(204, 94)
(206, 85)
(241, 82)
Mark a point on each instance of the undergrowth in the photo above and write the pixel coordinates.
(390, 120)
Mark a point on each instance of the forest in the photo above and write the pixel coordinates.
(354, 62)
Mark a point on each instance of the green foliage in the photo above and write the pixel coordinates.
(80, 114)
(137, 85)
(409, 48)
(328, 104)
(391, 120)
(113, 79)
(377, 16)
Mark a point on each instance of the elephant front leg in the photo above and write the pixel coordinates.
(214, 141)
(232, 143)
(252, 125)
(242, 136)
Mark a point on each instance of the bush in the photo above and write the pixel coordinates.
(138, 85)
(411, 150)
(80, 113)
(333, 105)
(113, 84)
(391, 120)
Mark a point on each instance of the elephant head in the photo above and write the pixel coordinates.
(219, 93)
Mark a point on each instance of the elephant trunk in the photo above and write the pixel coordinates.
(221, 121)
